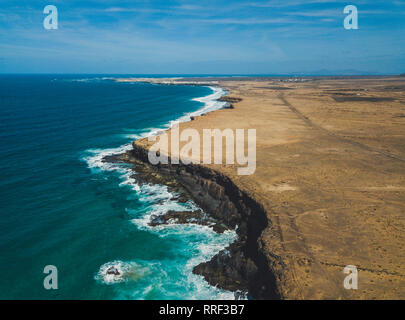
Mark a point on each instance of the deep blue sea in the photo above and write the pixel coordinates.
(60, 205)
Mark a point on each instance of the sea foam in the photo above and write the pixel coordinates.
(158, 201)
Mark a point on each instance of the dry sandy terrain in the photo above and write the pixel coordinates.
(331, 177)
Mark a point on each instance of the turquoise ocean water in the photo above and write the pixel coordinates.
(60, 205)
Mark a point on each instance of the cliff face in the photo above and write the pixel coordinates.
(242, 266)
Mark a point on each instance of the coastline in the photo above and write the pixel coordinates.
(241, 267)
(296, 151)
(98, 158)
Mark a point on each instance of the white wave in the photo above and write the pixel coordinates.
(94, 79)
(162, 200)
(126, 271)
(211, 103)
(207, 250)
(95, 159)
(129, 180)
(158, 277)
(147, 132)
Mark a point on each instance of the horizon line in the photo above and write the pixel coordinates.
(292, 74)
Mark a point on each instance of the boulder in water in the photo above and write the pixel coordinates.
(113, 270)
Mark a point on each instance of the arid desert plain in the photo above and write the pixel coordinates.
(330, 178)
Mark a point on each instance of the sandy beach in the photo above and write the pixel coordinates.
(330, 178)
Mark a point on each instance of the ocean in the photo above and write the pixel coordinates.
(62, 206)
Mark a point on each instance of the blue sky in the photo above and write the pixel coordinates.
(202, 37)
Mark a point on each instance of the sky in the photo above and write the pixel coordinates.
(202, 37)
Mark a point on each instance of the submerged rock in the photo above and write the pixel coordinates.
(183, 217)
(113, 270)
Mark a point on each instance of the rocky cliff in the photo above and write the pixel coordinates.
(242, 266)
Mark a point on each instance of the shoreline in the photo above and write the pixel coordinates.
(241, 267)
(98, 158)
(244, 251)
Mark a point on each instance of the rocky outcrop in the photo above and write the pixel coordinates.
(242, 266)
(113, 271)
(184, 217)
(230, 99)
